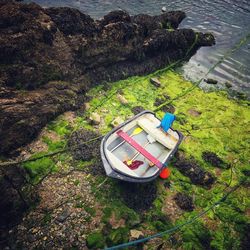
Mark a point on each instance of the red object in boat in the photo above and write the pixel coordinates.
(165, 173)
(134, 165)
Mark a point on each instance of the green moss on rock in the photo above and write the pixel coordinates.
(118, 236)
(95, 240)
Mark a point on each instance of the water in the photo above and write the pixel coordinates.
(228, 20)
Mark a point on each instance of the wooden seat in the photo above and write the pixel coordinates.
(160, 136)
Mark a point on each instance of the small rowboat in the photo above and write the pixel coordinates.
(139, 149)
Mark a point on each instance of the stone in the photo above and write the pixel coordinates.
(117, 121)
(155, 82)
(122, 99)
(136, 234)
(95, 118)
(211, 81)
(63, 216)
(164, 9)
(228, 85)
(86, 106)
(194, 112)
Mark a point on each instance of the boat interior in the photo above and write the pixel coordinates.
(151, 138)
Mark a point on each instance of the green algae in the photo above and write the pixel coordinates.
(39, 168)
(210, 121)
(95, 240)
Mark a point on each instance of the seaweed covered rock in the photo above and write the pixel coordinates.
(138, 196)
(39, 45)
(84, 145)
(191, 169)
(184, 201)
(214, 160)
(137, 109)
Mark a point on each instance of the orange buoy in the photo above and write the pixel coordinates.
(165, 173)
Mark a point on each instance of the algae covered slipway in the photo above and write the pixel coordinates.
(56, 194)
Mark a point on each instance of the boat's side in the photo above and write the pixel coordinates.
(114, 152)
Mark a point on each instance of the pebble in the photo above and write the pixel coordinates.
(122, 99)
(63, 216)
(155, 82)
(86, 106)
(117, 121)
(136, 234)
(211, 81)
(95, 118)
(228, 85)
(164, 9)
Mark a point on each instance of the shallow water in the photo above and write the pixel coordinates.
(228, 20)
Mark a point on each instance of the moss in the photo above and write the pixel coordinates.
(118, 236)
(39, 168)
(95, 240)
(54, 145)
(90, 210)
(60, 126)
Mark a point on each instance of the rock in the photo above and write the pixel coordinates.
(63, 216)
(137, 109)
(214, 159)
(184, 201)
(136, 234)
(241, 96)
(167, 108)
(122, 99)
(228, 85)
(139, 197)
(53, 44)
(86, 106)
(117, 121)
(211, 81)
(164, 9)
(194, 112)
(191, 169)
(155, 82)
(95, 118)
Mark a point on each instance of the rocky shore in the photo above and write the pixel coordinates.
(51, 57)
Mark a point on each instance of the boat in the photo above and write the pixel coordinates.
(140, 148)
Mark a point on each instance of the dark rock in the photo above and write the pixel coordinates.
(191, 169)
(79, 146)
(228, 85)
(211, 81)
(246, 172)
(63, 216)
(72, 21)
(241, 96)
(139, 197)
(167, 108)
(184, 201)
(39, 45)
(14, 202)
(137, 109)
(155, 82)
(214, 160)
(246, 237)
(115, 17)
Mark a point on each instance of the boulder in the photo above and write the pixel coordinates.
(49, 45)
